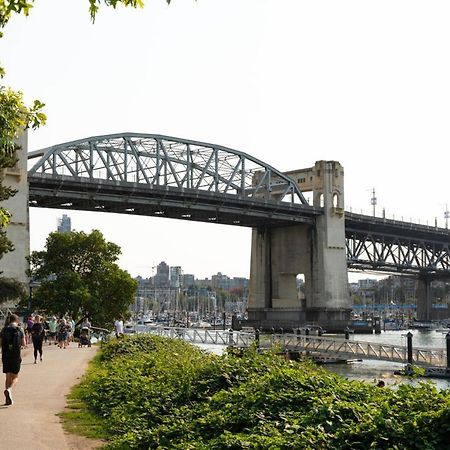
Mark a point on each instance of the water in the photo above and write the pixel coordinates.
(372, 371)
(422, 339)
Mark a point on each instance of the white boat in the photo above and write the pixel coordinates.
(201, 324)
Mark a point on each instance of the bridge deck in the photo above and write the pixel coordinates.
(354, 349)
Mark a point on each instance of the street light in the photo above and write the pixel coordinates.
(446, 215)
(373, 201)
(31, 285)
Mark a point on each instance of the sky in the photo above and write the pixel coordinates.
(287, 81)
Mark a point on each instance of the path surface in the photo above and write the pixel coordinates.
(38, 396)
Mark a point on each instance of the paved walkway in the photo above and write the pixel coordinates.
(38, 396)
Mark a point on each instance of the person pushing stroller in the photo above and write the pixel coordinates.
(85, 333)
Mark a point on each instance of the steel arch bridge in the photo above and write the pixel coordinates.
(155, 175)
(171, 177)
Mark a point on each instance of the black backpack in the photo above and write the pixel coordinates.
(11, 341)
(38, 330)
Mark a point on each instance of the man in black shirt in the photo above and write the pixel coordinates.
(12, 340)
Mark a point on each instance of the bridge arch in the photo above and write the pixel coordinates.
(164, 161)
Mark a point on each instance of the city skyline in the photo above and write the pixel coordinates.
(312, 82)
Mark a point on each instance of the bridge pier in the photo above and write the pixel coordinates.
(14, 264)
(318, 252)
(424, 298)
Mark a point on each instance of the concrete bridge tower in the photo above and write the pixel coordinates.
(280, 254)
(14, 264)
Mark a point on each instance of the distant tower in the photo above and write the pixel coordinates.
(64, 224)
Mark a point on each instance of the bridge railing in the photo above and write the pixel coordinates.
(398, 219)
(202, 336)
(322, 345)
(354, 349)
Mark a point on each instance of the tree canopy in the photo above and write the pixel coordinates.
(79, 276)
(10, 7)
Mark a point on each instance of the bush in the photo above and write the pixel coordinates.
(161, 393)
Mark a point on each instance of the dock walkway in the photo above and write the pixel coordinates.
(316, 345)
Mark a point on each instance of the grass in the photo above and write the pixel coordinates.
(77, 418)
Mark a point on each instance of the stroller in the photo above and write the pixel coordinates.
(85, 337)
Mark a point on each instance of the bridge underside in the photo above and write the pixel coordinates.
(64, 192)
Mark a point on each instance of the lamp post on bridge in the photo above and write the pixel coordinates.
(373, 201)
(446, 215)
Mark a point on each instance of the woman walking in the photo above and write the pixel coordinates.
(37, 336)
(63, 333)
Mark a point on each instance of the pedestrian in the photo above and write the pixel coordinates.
(37, 336)
(29, 325)
(44, 322)
(52, 329)
(62, 333)
(118, 325)
(12, 341)
(86, 323)
(71, 324)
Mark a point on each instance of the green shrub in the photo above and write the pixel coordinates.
(161, 393)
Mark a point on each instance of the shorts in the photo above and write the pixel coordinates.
(52, 333)
(62, 337)
(12, 366)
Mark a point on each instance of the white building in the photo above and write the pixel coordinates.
(176, 275)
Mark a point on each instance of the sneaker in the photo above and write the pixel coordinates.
(9, 400)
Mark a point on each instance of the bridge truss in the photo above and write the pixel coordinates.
(391, 246)
(154, 174)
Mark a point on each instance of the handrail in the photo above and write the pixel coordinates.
(305, 343)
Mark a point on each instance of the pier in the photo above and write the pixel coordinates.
(315, 345)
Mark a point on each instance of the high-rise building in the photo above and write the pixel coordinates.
(175, 276)
(64, 224)
(162, 277)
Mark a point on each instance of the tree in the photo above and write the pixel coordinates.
(11, 289)
(9, 7)
(79, 276)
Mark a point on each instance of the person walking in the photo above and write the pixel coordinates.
(62, 333)
(12, 341)
(118, 325)
(52, 328)
(71, 325)
(86, 323)
(37, 336)
(29, 324)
